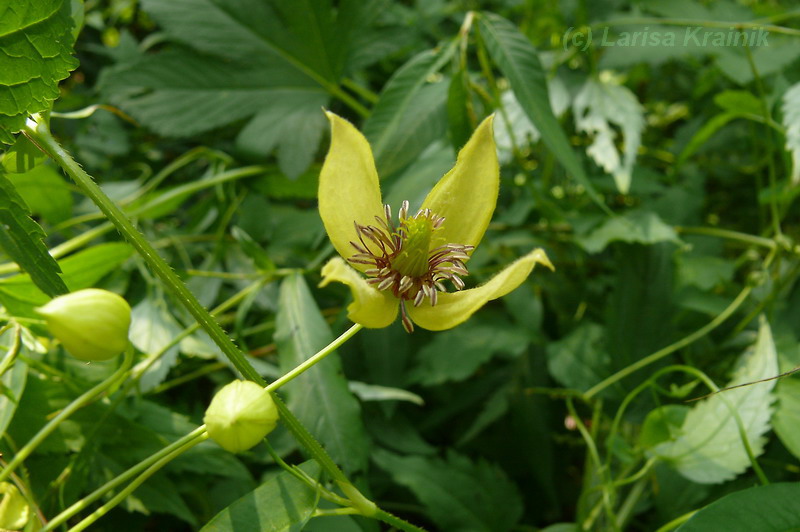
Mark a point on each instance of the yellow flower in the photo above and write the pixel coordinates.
(407, 263)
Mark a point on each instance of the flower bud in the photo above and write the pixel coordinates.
(240, 415)
(92, 324)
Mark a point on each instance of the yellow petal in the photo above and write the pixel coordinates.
(454, 309)
(370, 307)
(348, 186)
(466, 196)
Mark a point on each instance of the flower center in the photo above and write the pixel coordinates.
(405, 258)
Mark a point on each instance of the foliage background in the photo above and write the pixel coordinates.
(660, 180)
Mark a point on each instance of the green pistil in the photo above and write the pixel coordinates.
(412, 261)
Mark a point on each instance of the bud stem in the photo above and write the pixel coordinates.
(70, 409)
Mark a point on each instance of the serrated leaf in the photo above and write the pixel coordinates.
(278, 61)
(35, 54)
(791, 121)
(579, 360)
(600, 104)
(771, 508)
(21, 238)
(410, 113)
(517, 59)
(709, 448)
(81, 270)
(643, 227)
(458, 494)
(319, 397)
(280, 504)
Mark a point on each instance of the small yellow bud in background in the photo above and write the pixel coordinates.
(92, 324)
(240, 415)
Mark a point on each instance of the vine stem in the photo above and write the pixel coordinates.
(37, 131)
(119, 479)
(324, 352)
(661, 353)
(119, 497)
(70, 409)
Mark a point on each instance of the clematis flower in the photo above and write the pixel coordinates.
(408, 263)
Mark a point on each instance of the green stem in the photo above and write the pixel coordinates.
(362, 91)
(321, 354)
(678, 521)
(119, 479)
(731, 235)
(70, 409)
(119, 497)
(41, 136)
(773, 181)
(668, 350)
(393, 520)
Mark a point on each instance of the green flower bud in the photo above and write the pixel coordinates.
(240, 415)
(92, 324)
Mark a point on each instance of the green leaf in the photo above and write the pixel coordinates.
(35, 54)
(786, 420)
(45, 192)
(457, 493)
(704, 271)
(738, 101)
(410, 113)
(22, 156)
(458, 109)
(770, 508)
(599, 104)
(82, 270)
(456, 354)
(282, 503)
(643, 227)
(791, 121)
(274, 61)
(579, 360)
(513, 125)
(152, 329)
(21, 238)
(709, 449)
(373, 392)
(517, 59)
(12, 383)
(253, 250)
(319, 397)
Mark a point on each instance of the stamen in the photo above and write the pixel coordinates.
(400, 257)
(408, 325)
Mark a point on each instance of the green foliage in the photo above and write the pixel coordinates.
(35, 54)
(660, 180)
(21, 238)
(258, 509)
(459, 494)
(767, 508)
(320, 398)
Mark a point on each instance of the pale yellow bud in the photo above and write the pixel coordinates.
(240, 415)
(92, 324)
